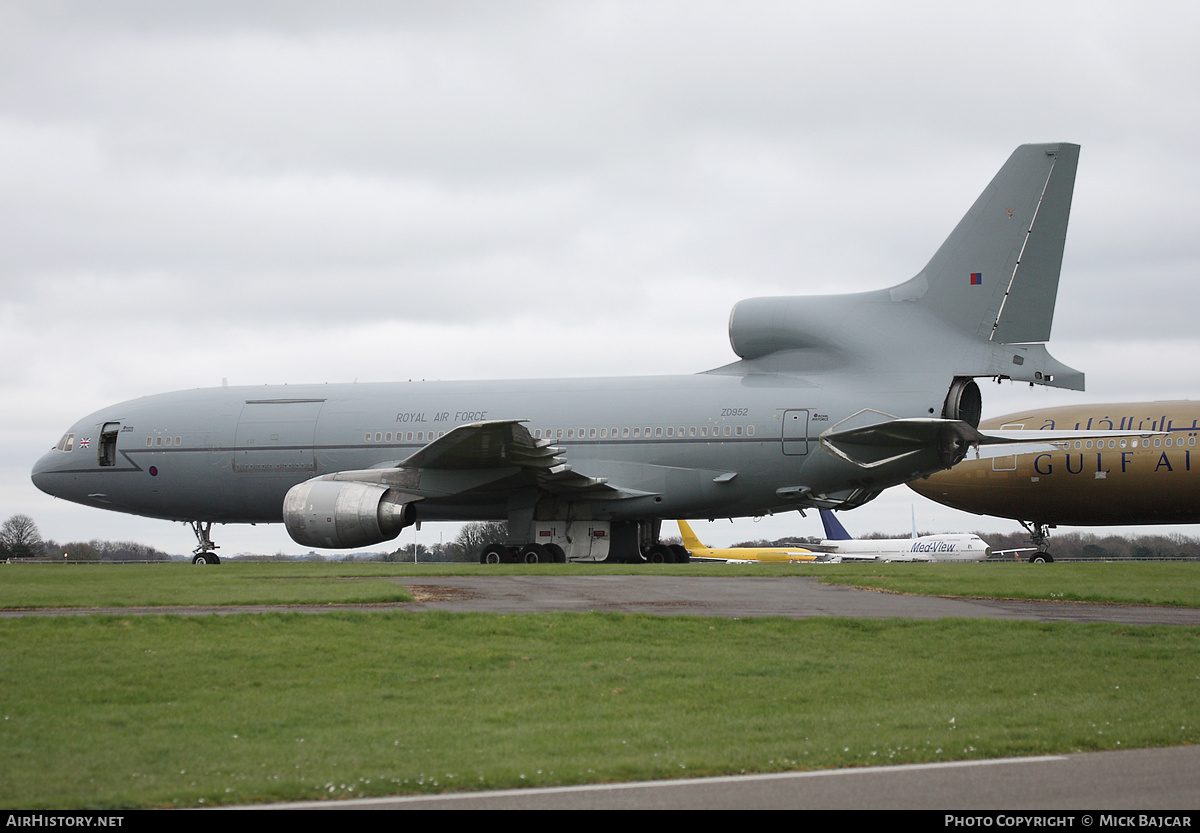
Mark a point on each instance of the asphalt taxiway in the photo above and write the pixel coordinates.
(795, 597)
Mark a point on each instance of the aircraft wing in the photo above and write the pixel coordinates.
(493, 444)
(478, 454)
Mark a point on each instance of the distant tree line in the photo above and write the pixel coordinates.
(466, 546)
(20, 538)
(97, 550)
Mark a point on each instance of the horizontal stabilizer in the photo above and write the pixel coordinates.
(886, 442)
(875, 445)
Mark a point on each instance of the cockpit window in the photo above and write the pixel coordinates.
(67, 442)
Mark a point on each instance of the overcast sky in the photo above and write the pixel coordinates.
(325, 192)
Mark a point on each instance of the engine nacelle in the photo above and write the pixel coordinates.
(335, 514)
(964, 401)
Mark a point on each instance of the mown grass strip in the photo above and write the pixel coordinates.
(25, 586)
(240, 583)
(1174, 583)
(196, 711)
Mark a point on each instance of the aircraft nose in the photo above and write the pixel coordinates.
(41, 473)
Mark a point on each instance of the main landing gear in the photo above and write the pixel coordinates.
(528, 554)
(205, 552)
(1039, 535)
(666, 554)
(554, 554)
(591, 541)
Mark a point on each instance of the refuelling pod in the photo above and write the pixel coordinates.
(344, 514)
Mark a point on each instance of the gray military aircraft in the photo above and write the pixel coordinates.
(832, 399)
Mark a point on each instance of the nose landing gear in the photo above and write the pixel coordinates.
(205, 552)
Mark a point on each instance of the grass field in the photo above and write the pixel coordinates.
(242, 583)
(150, 711)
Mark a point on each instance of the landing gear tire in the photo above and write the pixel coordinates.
(660, 554)
(534, 554)
(1038, 533)
(557, 554)
(681, 554)
(205, 551)
(494, 554)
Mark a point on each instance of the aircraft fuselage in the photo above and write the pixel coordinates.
(1150, 479)
(231, 454)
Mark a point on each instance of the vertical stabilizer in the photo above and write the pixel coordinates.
(834, 531)
(996, 276)
(690, 542)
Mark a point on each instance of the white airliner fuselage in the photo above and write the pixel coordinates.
(957, 547)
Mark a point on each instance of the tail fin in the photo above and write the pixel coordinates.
(690, 542)
(834, 531)
(996, 276)
(982, 306)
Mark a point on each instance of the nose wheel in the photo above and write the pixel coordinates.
(205, 551)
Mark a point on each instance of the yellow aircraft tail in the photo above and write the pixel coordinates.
(690, 542)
